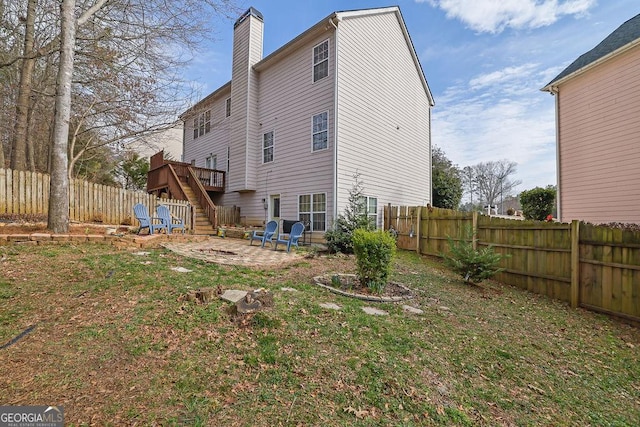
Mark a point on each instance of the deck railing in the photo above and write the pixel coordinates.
(160, 177)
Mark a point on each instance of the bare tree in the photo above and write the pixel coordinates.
(58, 220)
(492, 181)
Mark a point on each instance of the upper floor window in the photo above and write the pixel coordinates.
(202, 124)
(321, 61)
(267, 147)
(227, 108)
(320, 133)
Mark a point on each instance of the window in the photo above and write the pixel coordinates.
(202, 124)
(321, 61)
(267, 147)
(312, 209)
(370, 206)
(227, 108)
(320, 125)
(211, 162)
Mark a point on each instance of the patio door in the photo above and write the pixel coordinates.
(274, 207)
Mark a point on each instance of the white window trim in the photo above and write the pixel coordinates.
(273, 146)
(313, 63)
(201, 118)
(313, 133)
(211, 161)
(311, 212)
(373, 215)
(227, 107)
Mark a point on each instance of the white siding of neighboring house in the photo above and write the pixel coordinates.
(288, 100)
(216, 141)
(383, 125)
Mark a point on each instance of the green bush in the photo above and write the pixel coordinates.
(538, 203)
(354, 217)
(474, 265)
(374, 252)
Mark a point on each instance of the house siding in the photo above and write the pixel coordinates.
(599, 130)
(383, 129)
(216, 141)
(288, 100)
(383, 110)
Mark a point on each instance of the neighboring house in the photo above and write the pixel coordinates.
(169, 141)
(292, 129)
(598, 131)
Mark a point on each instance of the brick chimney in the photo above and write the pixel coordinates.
(247, 50)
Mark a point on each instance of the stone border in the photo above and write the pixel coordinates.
(128, 240)
(372, 298)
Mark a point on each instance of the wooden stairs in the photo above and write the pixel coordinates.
(201, 223)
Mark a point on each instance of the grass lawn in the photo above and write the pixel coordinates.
(115, 345)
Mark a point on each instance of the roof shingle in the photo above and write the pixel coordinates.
(623, 35)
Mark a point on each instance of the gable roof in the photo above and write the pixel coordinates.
(623, 38)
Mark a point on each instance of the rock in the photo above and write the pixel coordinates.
(233, 295)
(412, 310)
(374, 311)
(330, 306)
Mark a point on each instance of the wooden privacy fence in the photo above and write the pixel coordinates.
(594, 267)
(27, 193)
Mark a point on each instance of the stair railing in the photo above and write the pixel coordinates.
(203, 198)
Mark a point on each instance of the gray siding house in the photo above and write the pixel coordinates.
(291, 129)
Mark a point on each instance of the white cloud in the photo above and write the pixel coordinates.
(493, 16)
(500, 115)
(501, 77)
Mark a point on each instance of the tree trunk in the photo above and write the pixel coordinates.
(19, 144)
(59, 186)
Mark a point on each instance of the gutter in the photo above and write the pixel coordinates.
(554, 91)
(337, 19)
(552, 86)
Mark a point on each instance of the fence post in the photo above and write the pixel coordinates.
(418, 230)
(474, 231)
(575, 263)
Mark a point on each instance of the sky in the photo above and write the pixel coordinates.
(485, 62)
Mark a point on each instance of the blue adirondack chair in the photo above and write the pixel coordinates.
(265, 235)
(169, 221)
(290, 239)
(146, 221)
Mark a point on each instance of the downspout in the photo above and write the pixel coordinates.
(430, 162)
(335, 120)
(556, 94)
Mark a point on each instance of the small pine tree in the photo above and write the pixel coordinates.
(474, 265)
(354, 217)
